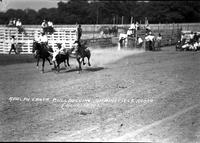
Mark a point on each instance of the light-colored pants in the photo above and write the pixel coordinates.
(54, 56)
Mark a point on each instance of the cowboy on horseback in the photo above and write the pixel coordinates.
(79, 30)
(43, 40)
(80, 48)
(58, 50)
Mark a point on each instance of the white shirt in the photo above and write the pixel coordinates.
(159, 38)
(43, 38)
(43, 24)
(18, 23)
(14, 22)
(12, 41)
(191, 36)
(140, 40)
(132, 26)
(149, 38)
(50, 24)
(129, 32)
(148, 27)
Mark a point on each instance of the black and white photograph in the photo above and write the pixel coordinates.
(100, 71)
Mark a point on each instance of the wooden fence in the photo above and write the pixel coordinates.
(66, 36)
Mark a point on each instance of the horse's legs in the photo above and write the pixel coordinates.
(65, 63)
(68, 61)
(88, 57)
(54, 63)
(43, 65)
(49, 60)
(79, 63)
(83, 60)
(38, 59)
(58, 67)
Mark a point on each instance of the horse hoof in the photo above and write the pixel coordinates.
(89, 64)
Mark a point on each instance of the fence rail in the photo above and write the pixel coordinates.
(66, 36)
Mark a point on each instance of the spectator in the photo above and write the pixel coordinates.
(50, 28)
(19, 26)
(139, 42)
(44, 25)
(10, 23)
(129, 32)
(133, 30)
(18, 23)
(183, 39)
(14, 22)
(150, 41)
(79, 32)
(158, 39)
(195, 37)
(13, 45)
(137, 26)
(192, 38)
(148, 28)
(132, 26)
(50, 24)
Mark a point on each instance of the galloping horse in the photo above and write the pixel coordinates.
(81, 51)
(61, 57)
(41, 53)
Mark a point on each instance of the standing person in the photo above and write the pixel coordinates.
(139, 42)
(158, 39)
(183, 38)
(149, 41)
(79, 32)
(133, 30)
(148, 28)
(13, 45)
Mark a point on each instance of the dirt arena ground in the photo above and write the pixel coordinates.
(124, 96)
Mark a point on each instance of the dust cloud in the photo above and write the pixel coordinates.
(102, 57)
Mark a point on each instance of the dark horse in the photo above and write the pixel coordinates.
(41, 52)
(81, 51)
(62, 57)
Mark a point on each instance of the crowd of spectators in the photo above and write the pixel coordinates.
(47, 26)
